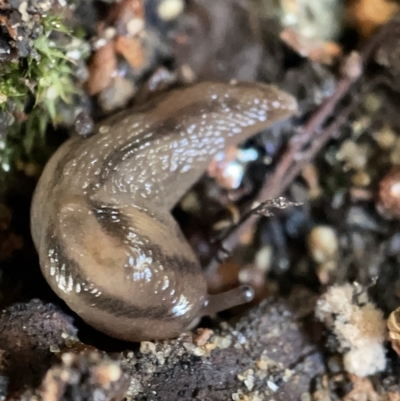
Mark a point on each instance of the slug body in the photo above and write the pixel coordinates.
(100, 218)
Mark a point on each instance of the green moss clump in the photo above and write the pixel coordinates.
(31, 91)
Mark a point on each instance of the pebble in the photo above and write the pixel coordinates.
(354, 155)
(272, 386)
(189, 346)
(83, 124)
(170, 9)
(322, 243)
(222, 342)
(135, 26)
(361, 179)
(54, 348)
(263, 258)
(248, 378)
(160, 358)
(147, 347)
(385, 137)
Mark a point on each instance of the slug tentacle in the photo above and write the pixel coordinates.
(228, 299)
(101, 221)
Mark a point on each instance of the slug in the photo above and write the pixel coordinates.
(100, 216)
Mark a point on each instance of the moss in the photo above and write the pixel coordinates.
(32, 90)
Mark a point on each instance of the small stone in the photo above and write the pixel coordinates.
(188, 75)
(361, 179)
(263, 258)
(240, 337)
(262, 364)
(67, 358)
(170, 9)
(372, 103)
(287, 374)
(237, 396)
(248, 378)
(272, 386)
(189, 346)
(354, 155)
(22, 10)
(190, 203)
(109, 372)
(210, 346)
(385, 138)
(323, 244)
(135, 26)
(249, 382)
(160, 358)
(199, 351)
(257, 397)
(84, 124)
(134, 388)
(109, 33)
(166, 350)
(223, 342)
(54, 348)
(147, 347)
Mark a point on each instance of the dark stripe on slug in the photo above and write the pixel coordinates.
(58, 172)
(129, 149)
(116, 224)
(120, 308)
(160, 128)
(105, 302)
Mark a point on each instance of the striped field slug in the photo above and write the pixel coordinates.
(100, 218)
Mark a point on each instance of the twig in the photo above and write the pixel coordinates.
(304, 146)
(317, 144)
(258, 209)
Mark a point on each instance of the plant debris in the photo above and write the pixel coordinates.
(359, 327)
(36, 79)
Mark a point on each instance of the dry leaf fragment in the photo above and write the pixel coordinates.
(325, 52)
(368, 15)
(393, 325)
(131, 49)
(102, 69)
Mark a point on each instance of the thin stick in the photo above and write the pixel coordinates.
(296, 157)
